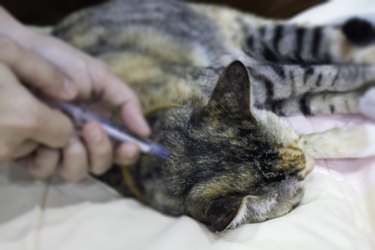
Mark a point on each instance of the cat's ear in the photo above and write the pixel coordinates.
(229, 212)
(232, 93)
(221, 212)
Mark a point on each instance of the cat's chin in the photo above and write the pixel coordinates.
(255, 209)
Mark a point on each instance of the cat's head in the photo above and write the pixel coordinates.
(230, 163)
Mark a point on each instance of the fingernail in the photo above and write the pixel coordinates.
(96, 135)
(70, 89)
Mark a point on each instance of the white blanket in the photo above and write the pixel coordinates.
(337, 212)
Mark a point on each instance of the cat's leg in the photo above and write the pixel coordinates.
(354, 142)
(278, 83)
(283, 42)
(326, 103)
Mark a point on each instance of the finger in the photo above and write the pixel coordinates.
(50, 127)
(36, 71)
(74, 161)
(34, 120)
(10, 150)
(127, 154)
(43, 163)
(24, 149)
(118, 94)
(6, 151)
(71, 61)
(131, 111)
(99, 148)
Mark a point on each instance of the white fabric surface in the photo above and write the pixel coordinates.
(88, 215)
(337, 212)
(336, 11)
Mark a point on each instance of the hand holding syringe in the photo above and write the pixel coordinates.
(80, 116)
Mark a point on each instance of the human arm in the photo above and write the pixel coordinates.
(92, 79)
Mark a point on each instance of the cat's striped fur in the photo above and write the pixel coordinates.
(231, 161)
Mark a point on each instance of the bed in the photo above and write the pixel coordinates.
(337, 212)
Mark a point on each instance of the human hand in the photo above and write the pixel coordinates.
(25, 122)
(93, 151)
(94, 81)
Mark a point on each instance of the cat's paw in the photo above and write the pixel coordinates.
(367, 103)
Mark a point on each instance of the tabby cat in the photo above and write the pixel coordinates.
(214, 83)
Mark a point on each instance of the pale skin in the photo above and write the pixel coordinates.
(41, 138)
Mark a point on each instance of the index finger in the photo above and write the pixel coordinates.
(131, 110)
(35, 70)
(118, 94)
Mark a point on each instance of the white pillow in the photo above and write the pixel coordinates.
(88, 215)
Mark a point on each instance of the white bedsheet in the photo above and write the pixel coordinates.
(88, 215)
(337, 212)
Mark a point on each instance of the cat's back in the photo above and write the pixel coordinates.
(154, 46)
(169, 30)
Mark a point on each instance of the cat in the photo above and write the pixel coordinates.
(214, 84)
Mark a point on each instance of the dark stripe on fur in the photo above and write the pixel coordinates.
(309, 71)
(334, 81)
(305, 105)
(269, 55)
(279, 70)
(318, 80)
(277, 35)
(269, 89)
(300, 32)
(277, 107)
(262, 31)
(250, 42)
(332, 109)
(316, 41)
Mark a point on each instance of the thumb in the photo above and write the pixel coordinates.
(53, 128)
